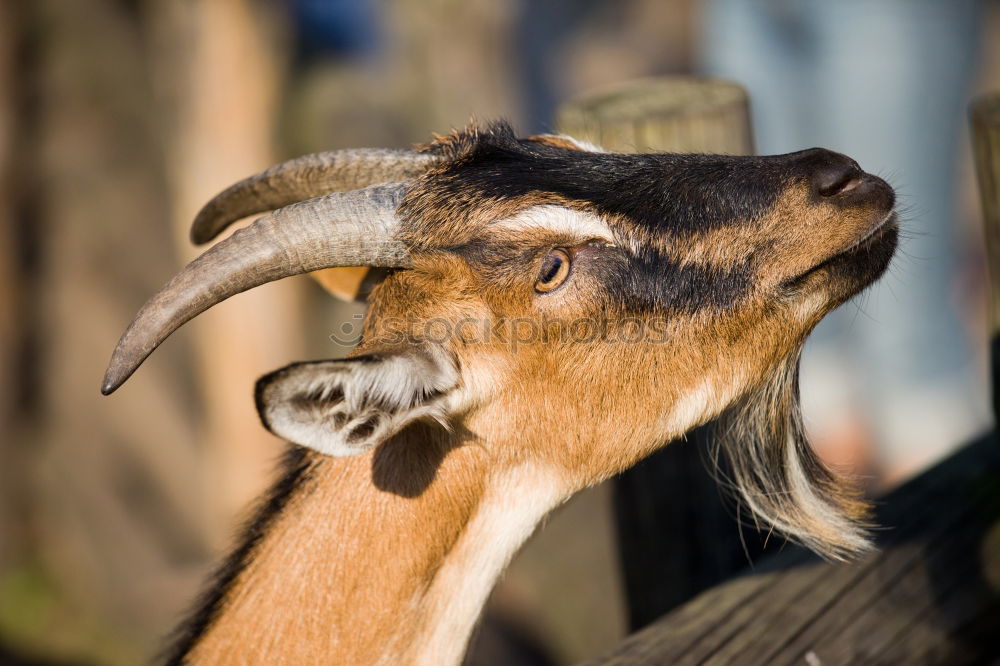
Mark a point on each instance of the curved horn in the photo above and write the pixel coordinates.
(341, 229)
(304, 178)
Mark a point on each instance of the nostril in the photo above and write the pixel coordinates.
(836, 178)
(840, 185)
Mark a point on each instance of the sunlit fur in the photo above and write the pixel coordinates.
(388, 556)
(779, 478)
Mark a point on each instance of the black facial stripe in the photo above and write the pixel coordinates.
(496, 257)
(662, 192)
(655, 283)
(647, 282)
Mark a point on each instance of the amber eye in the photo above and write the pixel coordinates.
(555, 270)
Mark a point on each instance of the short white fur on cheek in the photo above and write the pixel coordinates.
(811, 305)
(703, 402)
(483, 376)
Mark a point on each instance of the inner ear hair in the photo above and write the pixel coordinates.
(350, 283)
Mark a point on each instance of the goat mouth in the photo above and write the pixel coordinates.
(887, 226)
(891, 220)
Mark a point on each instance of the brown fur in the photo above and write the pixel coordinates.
(318, 589)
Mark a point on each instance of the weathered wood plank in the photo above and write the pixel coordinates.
(931, 594)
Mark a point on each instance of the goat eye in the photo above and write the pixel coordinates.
(554, 271)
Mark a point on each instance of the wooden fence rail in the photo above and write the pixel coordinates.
(930, 595)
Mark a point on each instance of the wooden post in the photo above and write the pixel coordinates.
(984, 115)
(678, 115)
(677, 531)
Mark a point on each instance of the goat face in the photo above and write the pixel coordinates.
(580, 308)
(606, 303)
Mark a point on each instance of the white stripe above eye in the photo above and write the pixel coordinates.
(585, 146)
(560, 220)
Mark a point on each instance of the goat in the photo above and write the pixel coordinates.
(426, 459)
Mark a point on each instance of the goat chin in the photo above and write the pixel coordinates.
(768, 463)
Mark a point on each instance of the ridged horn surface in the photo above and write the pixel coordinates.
(356, 228)
(304, 178)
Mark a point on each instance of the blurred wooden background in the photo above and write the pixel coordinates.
(117, 120)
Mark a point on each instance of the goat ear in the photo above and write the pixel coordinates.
(346, 407)
(352, 283)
